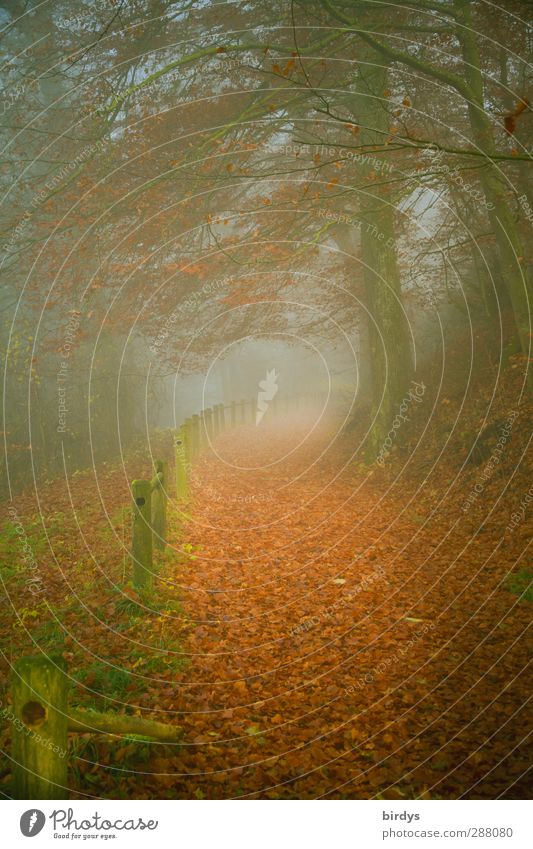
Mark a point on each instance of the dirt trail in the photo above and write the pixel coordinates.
(340, 645)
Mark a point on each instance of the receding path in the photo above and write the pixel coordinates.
(338, 645)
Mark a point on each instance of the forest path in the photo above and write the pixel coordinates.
(321, 609)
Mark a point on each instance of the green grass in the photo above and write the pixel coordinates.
(149, 601)
(100, 681)
(49, 636)
(521, 583)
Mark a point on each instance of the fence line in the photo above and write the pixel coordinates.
(40, 714)
(191, 439)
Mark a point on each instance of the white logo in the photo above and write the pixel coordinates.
(268, 388)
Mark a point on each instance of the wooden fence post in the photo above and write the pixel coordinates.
(216, 421)
(159, 504)
(208, 417)
(195, 436)
(187, 429)
(141, 545)
(40, 715)
(201, 432)
(233, 413)
(182, 487)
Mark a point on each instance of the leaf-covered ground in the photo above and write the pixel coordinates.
(320, 628)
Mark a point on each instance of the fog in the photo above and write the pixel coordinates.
(265, 313)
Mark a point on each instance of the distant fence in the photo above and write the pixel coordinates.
(191, 438)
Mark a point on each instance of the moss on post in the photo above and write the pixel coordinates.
(182, 482)
(159, 504)
(117, 723)
(141, 544)
(39, 718)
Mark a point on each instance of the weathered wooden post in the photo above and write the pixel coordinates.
(195, 436)
(187, 429)
(159, 504)
(233, 413)
(208, 418)
(182, 484)
(216, 421)
(201, 432)
(141, 544)
(39, 717)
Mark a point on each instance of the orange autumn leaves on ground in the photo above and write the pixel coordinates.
(340, 649)
(320, 630)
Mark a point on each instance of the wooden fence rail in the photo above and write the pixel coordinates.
(41, 722)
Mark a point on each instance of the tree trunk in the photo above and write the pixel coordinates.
(388, 331)
(494, 187)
